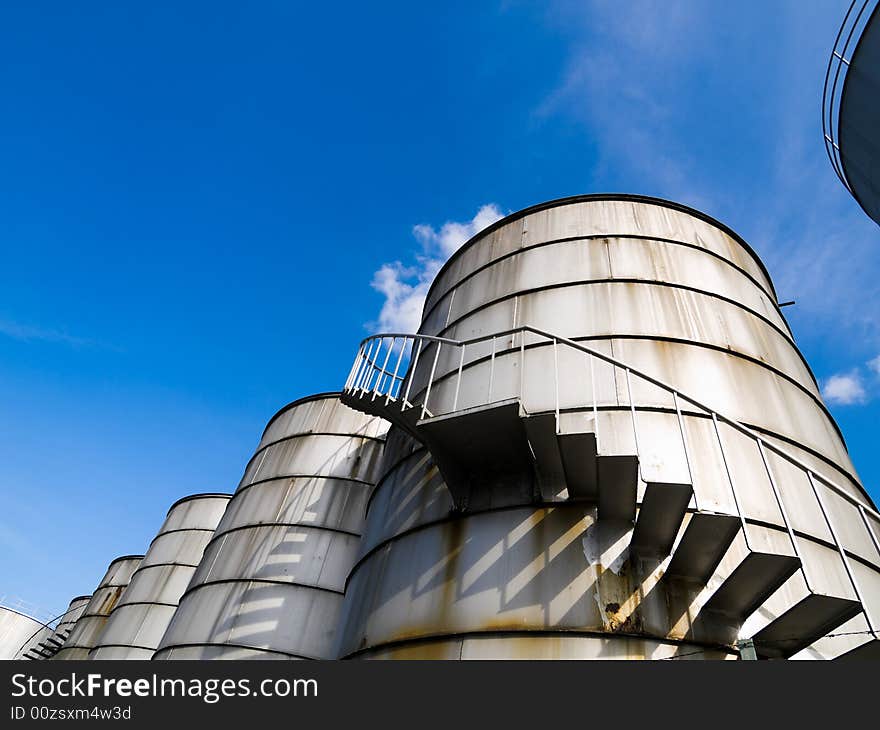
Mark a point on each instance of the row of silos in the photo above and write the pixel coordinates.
(605, 444)
(257, 575)
(272, 580)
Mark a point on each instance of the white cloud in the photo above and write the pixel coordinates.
(405, 287)
(845, 389)
(27, 333)
(874, 365)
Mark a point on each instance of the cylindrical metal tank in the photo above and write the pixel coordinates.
(17, 632)
(271, 580)
(142, 615)
(88, 628)
(46, 648)
(582, 509)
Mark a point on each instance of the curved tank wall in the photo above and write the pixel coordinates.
(859, 118)
(46, 648)
(270, 583)
(87, 630)
(515, 573)
(17, 630)
(142, 615)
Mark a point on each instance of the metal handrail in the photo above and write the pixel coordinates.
(361, 382)
(832, 92)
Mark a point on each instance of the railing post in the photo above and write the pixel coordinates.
(846, 565)
(739, 511)
(391, 394)
(364, 374)
(687, 451)
(458, 379)
(870, 529)
(778, 495)
(556, 378)
(595, 401)
(412, 373)
(431, 380)
(384, 367)
(354, 367)
(491, 371)
(632, 411)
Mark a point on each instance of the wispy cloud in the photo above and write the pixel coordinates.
(29, 333)
(854, 387)
(845, 389)
(686, 99)
(406, 286)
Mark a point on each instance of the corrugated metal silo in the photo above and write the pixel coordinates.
(142, 615)
(17, 631)
(48, 641)
(271, 580)
(87, 630)
(606, 445)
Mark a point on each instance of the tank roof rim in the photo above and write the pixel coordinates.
(599, 197)
(299, 401)
(199, 495)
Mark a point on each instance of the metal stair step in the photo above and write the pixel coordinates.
(869, 651)
(805, 622)
(541, 433)
(705, 540)
(618, 477)
(660, 517)
(578, 452)
(392, 411)
(751, 583)
(477, 443)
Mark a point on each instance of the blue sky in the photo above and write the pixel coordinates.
(204, 207)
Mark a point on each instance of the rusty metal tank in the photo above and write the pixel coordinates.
(606, 444)
(140, 618)
(88, 628)
(271, 580)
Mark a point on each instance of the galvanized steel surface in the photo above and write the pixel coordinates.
(17, 630)
(271, 579)
(144, 611)
(88, 628)
(675, 295)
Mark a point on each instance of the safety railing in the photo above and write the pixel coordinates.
(857, 17)
(387, 369)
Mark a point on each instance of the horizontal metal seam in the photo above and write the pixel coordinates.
(298, 476)
(266, 581)
(258, 525)
(454, 517)
(549, 633)
(294, 436)
(656, 338)
(646, 282)
(605, 197)
(195, 645)
(596, 237)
